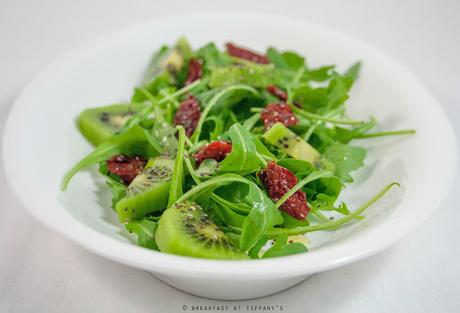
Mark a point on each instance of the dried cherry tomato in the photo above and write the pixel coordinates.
(278, 112)
(188, 115)
(126, 167)
(278, 181)
(277, 92)
(246, 54)
(195, 71)
(216, 150)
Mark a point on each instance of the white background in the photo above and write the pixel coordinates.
(43, 272)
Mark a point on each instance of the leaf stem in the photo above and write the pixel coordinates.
(331, 225)
(320, 216)
(318, 117)
(386, 133)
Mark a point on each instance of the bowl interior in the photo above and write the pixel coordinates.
(42, 142)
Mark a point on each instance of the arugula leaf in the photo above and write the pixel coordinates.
(243, 157)
(283, 248)
(177, 179)
(145, 231)
(346, 159)
(254, 252)
(353, 71)
(133, 142)
(226, 213)
(325, 99)
(254, 226)
(290, 222)
(217, 127)
(311, 99)
(337, 91)
(286, 60)
(160, 82)
(319, 74)
(211, 56)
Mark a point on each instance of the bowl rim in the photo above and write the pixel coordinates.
(375, 240)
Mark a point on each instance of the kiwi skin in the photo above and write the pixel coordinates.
(99, 124)
(148, 192)
(185, 229)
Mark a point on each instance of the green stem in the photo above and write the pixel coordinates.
(318, 117)
(330, 225)
(188, 142)
(313, 127)
(321, 216)
(190, 169)
(387, 133)
(262, 159)
(181, 91)
(313, 176)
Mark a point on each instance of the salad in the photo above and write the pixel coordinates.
(230, 154)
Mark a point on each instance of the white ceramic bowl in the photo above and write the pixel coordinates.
(41, 142)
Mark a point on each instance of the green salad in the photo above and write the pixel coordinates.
(230, 154)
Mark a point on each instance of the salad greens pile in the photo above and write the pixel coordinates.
(230, 154)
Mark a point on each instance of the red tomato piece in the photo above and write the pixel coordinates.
(246, 54)
(195, 71)
(278, 112)
(126, 167)
(188, 114)
(216, 150)
(278, 181)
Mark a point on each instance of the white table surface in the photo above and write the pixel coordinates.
(43, 272)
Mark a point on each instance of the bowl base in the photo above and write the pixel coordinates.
(230, 289)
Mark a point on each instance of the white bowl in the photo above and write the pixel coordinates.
(41, 142)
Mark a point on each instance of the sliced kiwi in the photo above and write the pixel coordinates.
(148, 192)
(185, 229)
(169, 59)
(99, 124)
(283, 138)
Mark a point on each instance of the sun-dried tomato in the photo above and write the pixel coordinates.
(126, 167)
(188, 115)
(246, 54)
(195, 71)
(278, 112)
(216, 150)
(277, 92)
(278, 181)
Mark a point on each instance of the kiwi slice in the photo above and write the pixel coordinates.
(283, 138)
(185, 229)
(99, 124)
(148, 192)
